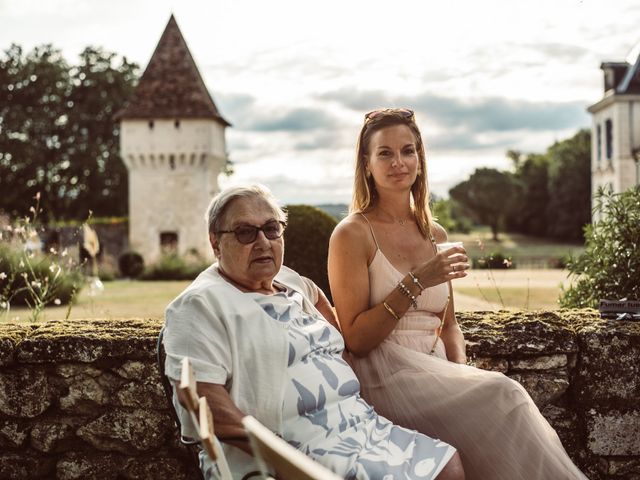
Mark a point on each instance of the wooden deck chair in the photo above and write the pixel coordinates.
(202, 419)
(273, 453)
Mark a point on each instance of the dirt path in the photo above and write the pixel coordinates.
(515, 278)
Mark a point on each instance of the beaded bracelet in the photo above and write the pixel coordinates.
(403, 288)
(416, 282)
(391, 310)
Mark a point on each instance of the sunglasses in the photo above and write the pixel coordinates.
(403, 112)
(247, 234)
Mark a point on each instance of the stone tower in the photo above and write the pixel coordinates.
(172, 140)
(615, 131)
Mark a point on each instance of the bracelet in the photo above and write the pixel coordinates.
(391, 310)
(416, 282)
(403, 288)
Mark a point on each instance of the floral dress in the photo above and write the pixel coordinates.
(324, 415)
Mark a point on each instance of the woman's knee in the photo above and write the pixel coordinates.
(453, 470)
(508, 389)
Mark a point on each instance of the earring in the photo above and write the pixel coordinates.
(368, 173)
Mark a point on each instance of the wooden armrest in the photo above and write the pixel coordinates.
(187, 386)
(206, 429)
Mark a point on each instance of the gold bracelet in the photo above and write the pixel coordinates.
(412, 298)
(391, 311)
(415, 280)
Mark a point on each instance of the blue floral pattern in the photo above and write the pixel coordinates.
(324, 415)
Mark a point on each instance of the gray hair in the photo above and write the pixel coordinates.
(219, 203)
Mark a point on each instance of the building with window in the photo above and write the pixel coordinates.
(172, 140)
(615, 132)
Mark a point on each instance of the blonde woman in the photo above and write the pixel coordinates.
(392, 293)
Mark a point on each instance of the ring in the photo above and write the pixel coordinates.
(454, 267)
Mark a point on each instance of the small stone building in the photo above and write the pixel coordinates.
(615, 131)
(173, 143)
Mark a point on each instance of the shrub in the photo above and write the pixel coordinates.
(609, 268)
(172, 266)
(493, 261)
(307, 243)
(131, 264)
(35, 280)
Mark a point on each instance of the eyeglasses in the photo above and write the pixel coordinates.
(403, 112)
(247, 234)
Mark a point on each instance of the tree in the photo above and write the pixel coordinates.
(57, 133)
(609, 268)
(531, 198)
(486, 195)
(569, 208)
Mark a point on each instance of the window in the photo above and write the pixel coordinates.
(608, 126)
(151, 124)
(169, 242)
(599, 143)
(172, 162)
(176, 124)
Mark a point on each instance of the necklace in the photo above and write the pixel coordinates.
(401, 221)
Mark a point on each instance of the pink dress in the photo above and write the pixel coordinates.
(491, 419)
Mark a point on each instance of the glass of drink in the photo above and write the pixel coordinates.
(441, 247)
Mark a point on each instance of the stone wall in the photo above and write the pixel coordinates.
(82, 399)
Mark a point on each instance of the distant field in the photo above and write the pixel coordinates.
(527, 252)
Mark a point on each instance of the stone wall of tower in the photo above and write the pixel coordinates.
(173, 170)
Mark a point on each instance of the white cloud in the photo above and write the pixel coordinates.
(294, 78)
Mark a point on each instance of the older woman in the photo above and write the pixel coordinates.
(262, 341)
(393, 296)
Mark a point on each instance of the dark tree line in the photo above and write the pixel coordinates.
(547, 195)
(57, 132)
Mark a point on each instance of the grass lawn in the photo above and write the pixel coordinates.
(523, 289)
(120, 299)
(519, 288)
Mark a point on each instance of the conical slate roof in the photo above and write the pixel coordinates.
(171, 85)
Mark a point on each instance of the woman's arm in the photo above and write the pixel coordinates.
(452, 336)
(324, 307)
(227, 418)
(365, 327)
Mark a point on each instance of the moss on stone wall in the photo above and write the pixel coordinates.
(83, 396)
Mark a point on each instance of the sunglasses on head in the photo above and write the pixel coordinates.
(247, 234)
(403, 112)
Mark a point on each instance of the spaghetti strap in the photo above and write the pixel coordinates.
(371, 228)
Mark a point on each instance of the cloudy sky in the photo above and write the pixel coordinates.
(295, 77)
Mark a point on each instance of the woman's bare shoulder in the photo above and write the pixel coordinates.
(439, 233)
(353, 231)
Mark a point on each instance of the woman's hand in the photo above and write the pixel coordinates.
(444, 266)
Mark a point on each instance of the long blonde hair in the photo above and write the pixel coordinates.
(365, 195)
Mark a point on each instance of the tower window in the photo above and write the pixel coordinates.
(151, 124)
(176, 124)
(172, 162)
(169, 242)
(608, 126)
(599, 143)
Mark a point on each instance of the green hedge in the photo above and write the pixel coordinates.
(307, 243)
(493, 261)
(172, 266)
